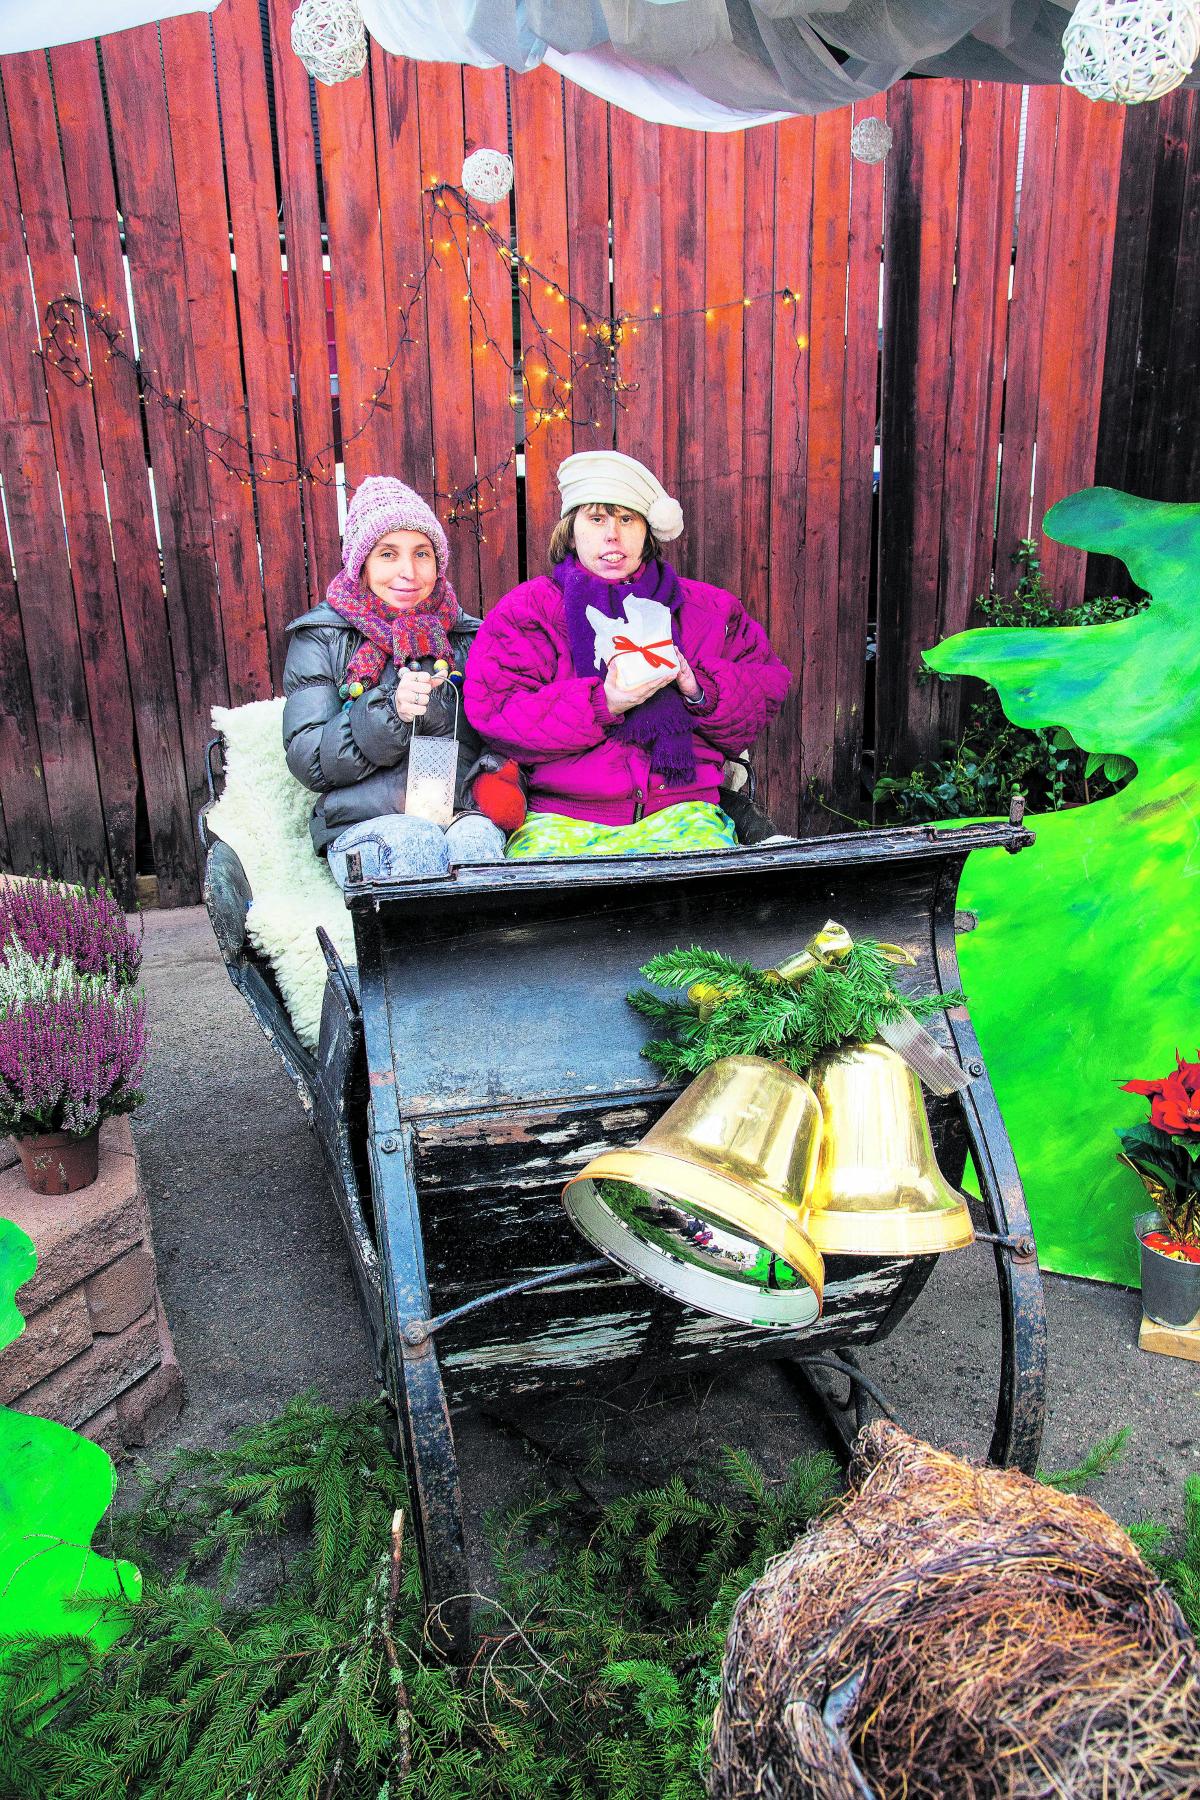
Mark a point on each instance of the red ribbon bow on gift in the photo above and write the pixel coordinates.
(622, 646)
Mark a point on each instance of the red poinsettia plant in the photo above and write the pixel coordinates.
(1165, 1153)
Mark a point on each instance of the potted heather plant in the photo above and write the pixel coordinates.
(83, 926)
(1164, 1154)
(72, 1054)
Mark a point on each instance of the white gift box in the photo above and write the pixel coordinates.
(639, 647)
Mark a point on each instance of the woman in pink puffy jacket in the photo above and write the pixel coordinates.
(619, 686)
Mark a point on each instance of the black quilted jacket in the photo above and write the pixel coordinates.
(355, 756)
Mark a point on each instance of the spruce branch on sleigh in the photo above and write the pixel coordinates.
(735, 1009)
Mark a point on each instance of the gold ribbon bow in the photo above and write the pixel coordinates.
(832, 944)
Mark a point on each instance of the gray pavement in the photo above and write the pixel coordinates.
(257, 1287)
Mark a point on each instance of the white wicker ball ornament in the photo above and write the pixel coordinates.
(1130, 50)
(487, 175)
(330, 39)
(870, 140)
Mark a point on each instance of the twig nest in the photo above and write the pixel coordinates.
(330, 39)
(1130, 50)
(870, 140)
(954, 1633)
(487, 175)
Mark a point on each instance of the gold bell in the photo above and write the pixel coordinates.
(706, 1207)
(878, 1189)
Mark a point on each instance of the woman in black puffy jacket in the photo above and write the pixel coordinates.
(382, 653)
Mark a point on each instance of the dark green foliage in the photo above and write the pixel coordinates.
(276, 1660)
(212, 1695)
(993, 758)
(1172, 1159)
(754, 1013)
(1182, 1572)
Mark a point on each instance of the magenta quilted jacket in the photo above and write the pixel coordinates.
(524, 698)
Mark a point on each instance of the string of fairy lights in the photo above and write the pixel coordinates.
(562, 358)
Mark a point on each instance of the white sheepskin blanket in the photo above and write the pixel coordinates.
(263, 816)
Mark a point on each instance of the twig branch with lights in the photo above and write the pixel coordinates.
(556, 350)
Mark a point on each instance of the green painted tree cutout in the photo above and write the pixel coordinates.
(55, 1487)
(1080, 971)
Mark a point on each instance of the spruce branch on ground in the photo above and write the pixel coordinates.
(1100, 1458)
(1181, 1570)
(280, 1653)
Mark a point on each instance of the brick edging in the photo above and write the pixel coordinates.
(96, 1352)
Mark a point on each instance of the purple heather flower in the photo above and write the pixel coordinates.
(69, 1061)
(80, 925)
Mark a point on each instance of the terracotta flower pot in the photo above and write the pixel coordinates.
(1170, 1287)
(55, 1163)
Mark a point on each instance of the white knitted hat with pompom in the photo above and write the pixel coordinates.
(607, 478)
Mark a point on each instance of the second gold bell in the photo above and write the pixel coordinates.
(878, 1190)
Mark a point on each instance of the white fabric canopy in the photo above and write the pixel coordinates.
(716, 65)
(723, 64)
(25, 26)
(660, 95)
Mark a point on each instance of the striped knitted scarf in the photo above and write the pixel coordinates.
(398, 635)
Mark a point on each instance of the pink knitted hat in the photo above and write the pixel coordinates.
(382, 504)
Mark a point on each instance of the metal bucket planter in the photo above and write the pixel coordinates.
(1170, 1287)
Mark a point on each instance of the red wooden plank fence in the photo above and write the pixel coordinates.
(314, 428)
(77, 454)
(1148, 440)
(859, 423)
(52, 653)
(757, 315)
(161, 762)
(253, 213)
(541, 167)
(182, 510)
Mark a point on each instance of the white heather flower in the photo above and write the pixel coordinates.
(25, 978)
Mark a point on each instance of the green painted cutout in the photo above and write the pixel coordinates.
(1080, 973)
(54, 1489)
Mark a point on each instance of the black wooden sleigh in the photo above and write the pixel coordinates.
(482, 1053)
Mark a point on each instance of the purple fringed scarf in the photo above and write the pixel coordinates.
(661, 724)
